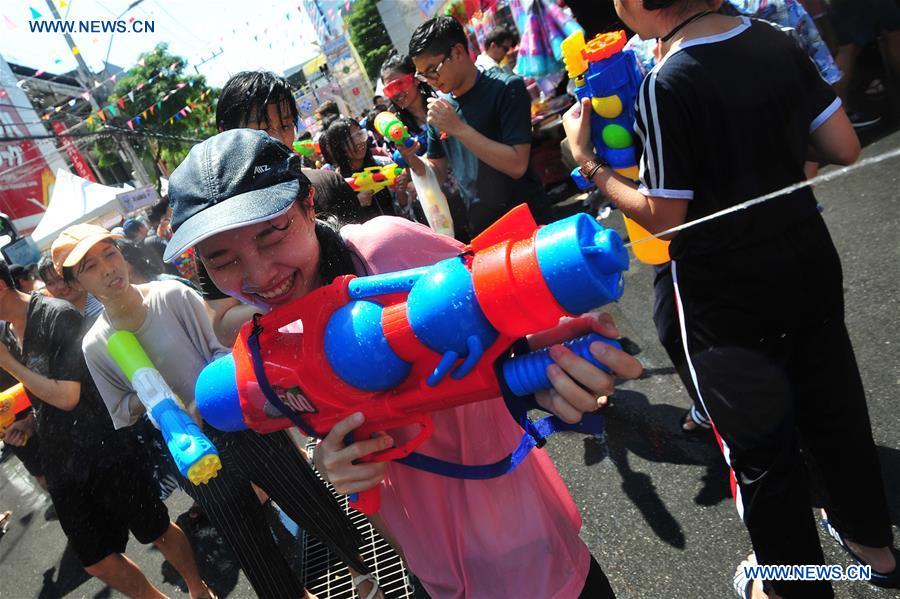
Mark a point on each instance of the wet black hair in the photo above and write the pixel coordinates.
(338, 139)
(157, 211)
(497, 36)
(248, 93)
(5, 276)
(403, 63)
(45, 265)
(145, 262)
(437, 36)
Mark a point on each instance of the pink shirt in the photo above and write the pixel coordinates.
(512, 536)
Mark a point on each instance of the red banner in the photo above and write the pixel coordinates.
(25, 177)
(82, 169)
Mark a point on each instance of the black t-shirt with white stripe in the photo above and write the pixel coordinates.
(727, 118)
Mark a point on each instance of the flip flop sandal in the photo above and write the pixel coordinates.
(742, 585)
(364, 577)
(698, 418)
(890, 580)
(5, 518)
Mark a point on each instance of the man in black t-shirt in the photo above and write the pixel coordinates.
(480, 126)
(99, 487)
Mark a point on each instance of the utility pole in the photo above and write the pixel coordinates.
(212, 56)
(140, 173)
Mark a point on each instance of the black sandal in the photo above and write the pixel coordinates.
(890, 580)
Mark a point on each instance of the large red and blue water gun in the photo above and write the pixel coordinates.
(401, 345)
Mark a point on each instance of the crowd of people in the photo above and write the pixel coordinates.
(750, 308)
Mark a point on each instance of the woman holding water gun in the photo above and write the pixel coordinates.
(349, 152)
(731, 112)
(512, 536)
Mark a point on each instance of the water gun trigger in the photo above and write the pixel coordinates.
(401, 451)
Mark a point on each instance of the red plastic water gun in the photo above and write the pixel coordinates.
(401, 345)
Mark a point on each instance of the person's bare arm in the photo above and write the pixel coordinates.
(509, 160)
(653, 213)
(64, 395)
(227, 316)
(835, 141)
(416, 162)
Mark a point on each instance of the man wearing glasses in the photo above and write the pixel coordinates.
(498, 45)
(479, 126)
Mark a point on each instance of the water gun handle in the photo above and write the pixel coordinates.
(527, 374)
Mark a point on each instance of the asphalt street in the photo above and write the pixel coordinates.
(656, 505)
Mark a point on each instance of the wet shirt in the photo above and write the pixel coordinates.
(498, 107)
(511, 536)
(70, 440)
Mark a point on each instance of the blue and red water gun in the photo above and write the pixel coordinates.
(610, 77)
(401, 345)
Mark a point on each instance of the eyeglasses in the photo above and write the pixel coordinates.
(360, 136)
(432, 73)
(399, 85)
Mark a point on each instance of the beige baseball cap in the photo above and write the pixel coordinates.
(73, 243)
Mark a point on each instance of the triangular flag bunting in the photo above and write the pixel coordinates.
(112, 78)
(86, 96)
(180, 85)
(72, 102)
(137, 120)
(112, 110)
(130, 125)
(139, 87)
(141, 62)
(101, 116)
(191, 83)
(90, 119)
(182, 112)
(63, 3)
(34, 14)
(121, 102)
(153, 109)
(131, 96)
(39, 72)
(76, 51)
(150, 80)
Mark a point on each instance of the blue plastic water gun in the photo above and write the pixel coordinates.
(194, 454)
(610, 78)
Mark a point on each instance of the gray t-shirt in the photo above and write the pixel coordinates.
(177, 336)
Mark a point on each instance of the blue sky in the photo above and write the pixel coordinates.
(193, 29)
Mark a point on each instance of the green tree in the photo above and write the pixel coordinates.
(368, 34)
(153, 93)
